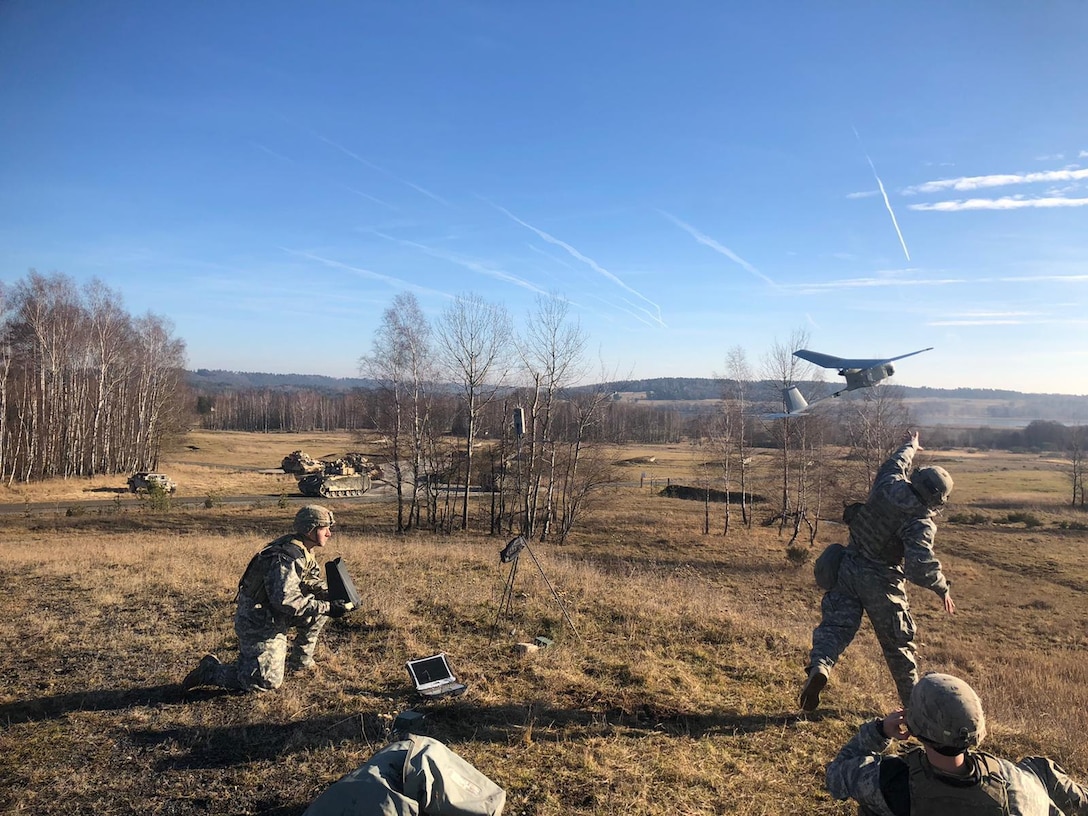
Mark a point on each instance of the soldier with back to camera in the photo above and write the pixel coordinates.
(947, 775)
(891, 542)
(281, 589)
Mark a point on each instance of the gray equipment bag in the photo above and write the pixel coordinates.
(416, 776)
(826, 567)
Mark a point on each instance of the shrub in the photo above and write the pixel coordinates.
(967, 518)
(157, 499)
(798, 555)
(1029, 520)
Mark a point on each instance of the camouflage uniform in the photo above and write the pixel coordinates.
(886, 785)
(282, 588)
(891, 539)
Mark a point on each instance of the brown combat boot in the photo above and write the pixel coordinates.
(810, 691)
(203, 674)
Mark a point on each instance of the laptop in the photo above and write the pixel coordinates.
(433, 677)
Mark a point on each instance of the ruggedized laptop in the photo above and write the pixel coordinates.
(433, 677)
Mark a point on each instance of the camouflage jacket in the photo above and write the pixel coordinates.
(895, 528)
(880, 783)
(286, 578)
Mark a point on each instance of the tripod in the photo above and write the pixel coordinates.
(509, 555)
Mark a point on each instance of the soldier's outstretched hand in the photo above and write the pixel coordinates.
(949, 604)
(912, 436)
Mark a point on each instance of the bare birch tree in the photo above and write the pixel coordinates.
(474, 338)
(402, 362)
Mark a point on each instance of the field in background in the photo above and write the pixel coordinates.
(677, 694)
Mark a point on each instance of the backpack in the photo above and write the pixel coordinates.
(826, 567)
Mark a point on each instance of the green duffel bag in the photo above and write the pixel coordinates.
(826, 568)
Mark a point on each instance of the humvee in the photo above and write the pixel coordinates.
(144, 480)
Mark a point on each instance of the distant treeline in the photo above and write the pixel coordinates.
(85, 388)
(966, 407)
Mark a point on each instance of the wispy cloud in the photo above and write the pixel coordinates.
(1006, 318)
(655, 315)
(997, 180)
(887, 203)
(863, 194)
(870, 283)
(1004, 203)
(969, 321)
(468, 263)
(1046, 279)
(706, 240)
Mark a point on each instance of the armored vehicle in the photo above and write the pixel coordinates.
(145, 482)
(299, 463)
(333, 485)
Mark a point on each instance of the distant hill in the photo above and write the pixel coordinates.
(217, 380)
(964, 407)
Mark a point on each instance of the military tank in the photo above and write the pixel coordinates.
(334, 485)
(300, 463)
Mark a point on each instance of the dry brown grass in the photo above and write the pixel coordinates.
(677, 695)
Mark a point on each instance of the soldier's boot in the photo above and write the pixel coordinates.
(203, 674)
(810, 691)
(301, 661)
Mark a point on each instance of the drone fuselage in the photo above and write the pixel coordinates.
(866, 377)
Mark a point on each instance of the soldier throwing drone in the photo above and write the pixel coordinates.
(891, 542)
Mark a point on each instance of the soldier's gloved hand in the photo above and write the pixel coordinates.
(337, 609)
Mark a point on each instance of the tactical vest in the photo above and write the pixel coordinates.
(251, 583)
(933, 796)
(874, 529)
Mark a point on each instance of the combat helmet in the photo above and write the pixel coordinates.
(932, 484)
(946, 713)
(311, 516)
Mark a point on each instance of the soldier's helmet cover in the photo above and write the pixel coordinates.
(933, 484)
(946, 713)
(311, 516)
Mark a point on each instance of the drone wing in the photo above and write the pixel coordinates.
(842, 364)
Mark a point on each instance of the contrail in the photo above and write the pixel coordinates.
(887, 203)
(381, 169)
(467, 263)
(367, 273)
(706, 240)
(592, 264)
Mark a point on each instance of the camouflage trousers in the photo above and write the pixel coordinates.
(264, 652)
(880, 592)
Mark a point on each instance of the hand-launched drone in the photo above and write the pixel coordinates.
(858, 373)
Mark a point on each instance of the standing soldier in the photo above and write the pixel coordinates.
(281, 589)
(891, 538)
(947, 774)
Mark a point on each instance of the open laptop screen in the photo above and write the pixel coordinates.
(430, 670)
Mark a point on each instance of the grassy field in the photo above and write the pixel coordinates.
(675, 693)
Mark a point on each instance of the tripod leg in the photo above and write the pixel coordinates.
(555, 594)
(506, 603)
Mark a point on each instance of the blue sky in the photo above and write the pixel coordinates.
(692, 176)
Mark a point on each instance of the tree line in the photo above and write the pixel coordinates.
(85, 388)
